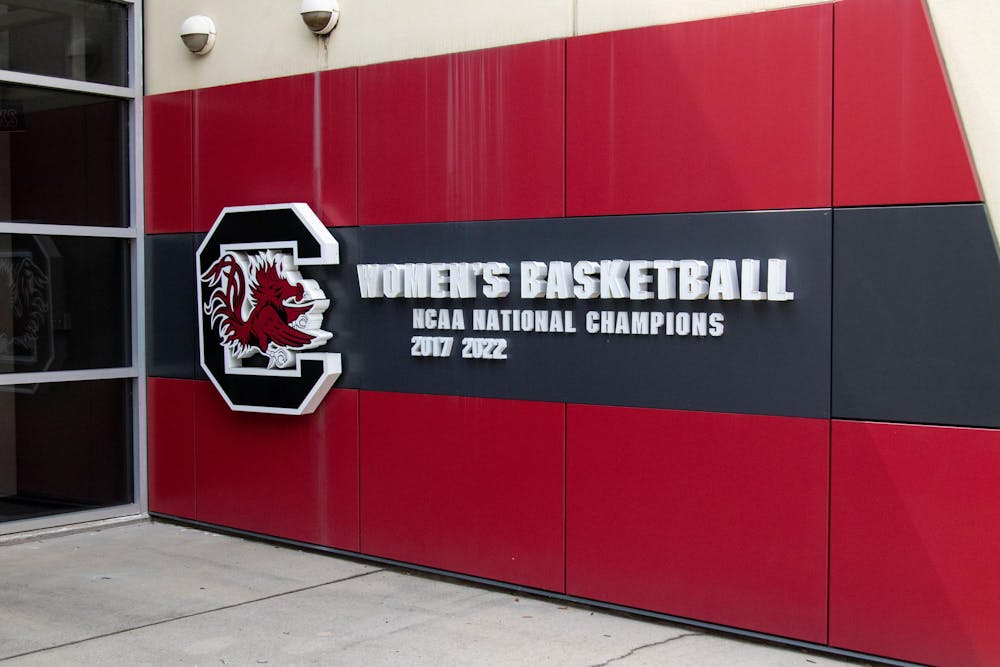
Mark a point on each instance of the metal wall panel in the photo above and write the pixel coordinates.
(897, 138)
(710, 516)
(254, 144)
(171, 443)
(172, 317)
(720, 115)
(169, 143)
(292, 477)
(468, 136)
(464, 484)
(915, 313)
(913, 550)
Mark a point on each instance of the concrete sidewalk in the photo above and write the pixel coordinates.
(156, 593)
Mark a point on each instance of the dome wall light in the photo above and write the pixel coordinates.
(198, 34)
(320, 16)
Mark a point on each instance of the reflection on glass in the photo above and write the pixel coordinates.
(63, 157)
(84, 40)
(64, 447)
(64, 303)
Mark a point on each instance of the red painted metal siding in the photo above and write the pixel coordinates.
(292, 477)
(914, 550)
(897, 139)
(719, 115)
(170, 446)
(718, 517)
(337, 138)
(257, 143)
(470, 485)
(468, 136)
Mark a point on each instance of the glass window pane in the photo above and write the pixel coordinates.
(64, 447)
(85, 40)
(63, 157)
(64, 303)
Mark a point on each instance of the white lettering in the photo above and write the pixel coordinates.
(715, 324)
(723, 285)
(496, 285)
(750, 280)
(392, 280)
(613, 285)
(639, 278)
(776, 281)
(439, 281)
(692, 283)
(665, 282)
(560, 284)
(533, 280)
(587, 287)
(463, 280)
(370, 279)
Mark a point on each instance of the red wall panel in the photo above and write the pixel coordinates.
(717, 115)
(719, 517)
(897, 139)
(292, 477)
(914, 550)
(337, 136)
(270, 141)
(469, 485)
(170, 446)
(467, 136)
(168, 150)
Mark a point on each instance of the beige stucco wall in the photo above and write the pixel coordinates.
(967, 33)
(604, 15)
(259, 39)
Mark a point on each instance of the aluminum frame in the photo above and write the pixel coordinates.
(133, 233)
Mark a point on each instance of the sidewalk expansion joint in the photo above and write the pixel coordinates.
(645, 646)
(193, 614)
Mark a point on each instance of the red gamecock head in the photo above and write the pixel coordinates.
(270, 285)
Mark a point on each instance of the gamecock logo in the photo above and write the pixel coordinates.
(27, 288)
(26, 276)
(281, 313)
(258, 316)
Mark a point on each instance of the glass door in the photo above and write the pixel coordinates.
(71, 350)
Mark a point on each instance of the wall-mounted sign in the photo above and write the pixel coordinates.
(258, 316)
(725, 312)
(557, 281)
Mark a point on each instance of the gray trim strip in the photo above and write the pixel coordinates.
(7, 379)
(8, 76)
(69, 230)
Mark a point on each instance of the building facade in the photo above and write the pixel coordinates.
(687, 308)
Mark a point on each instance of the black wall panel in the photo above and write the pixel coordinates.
(916, 315)
(171, 324)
